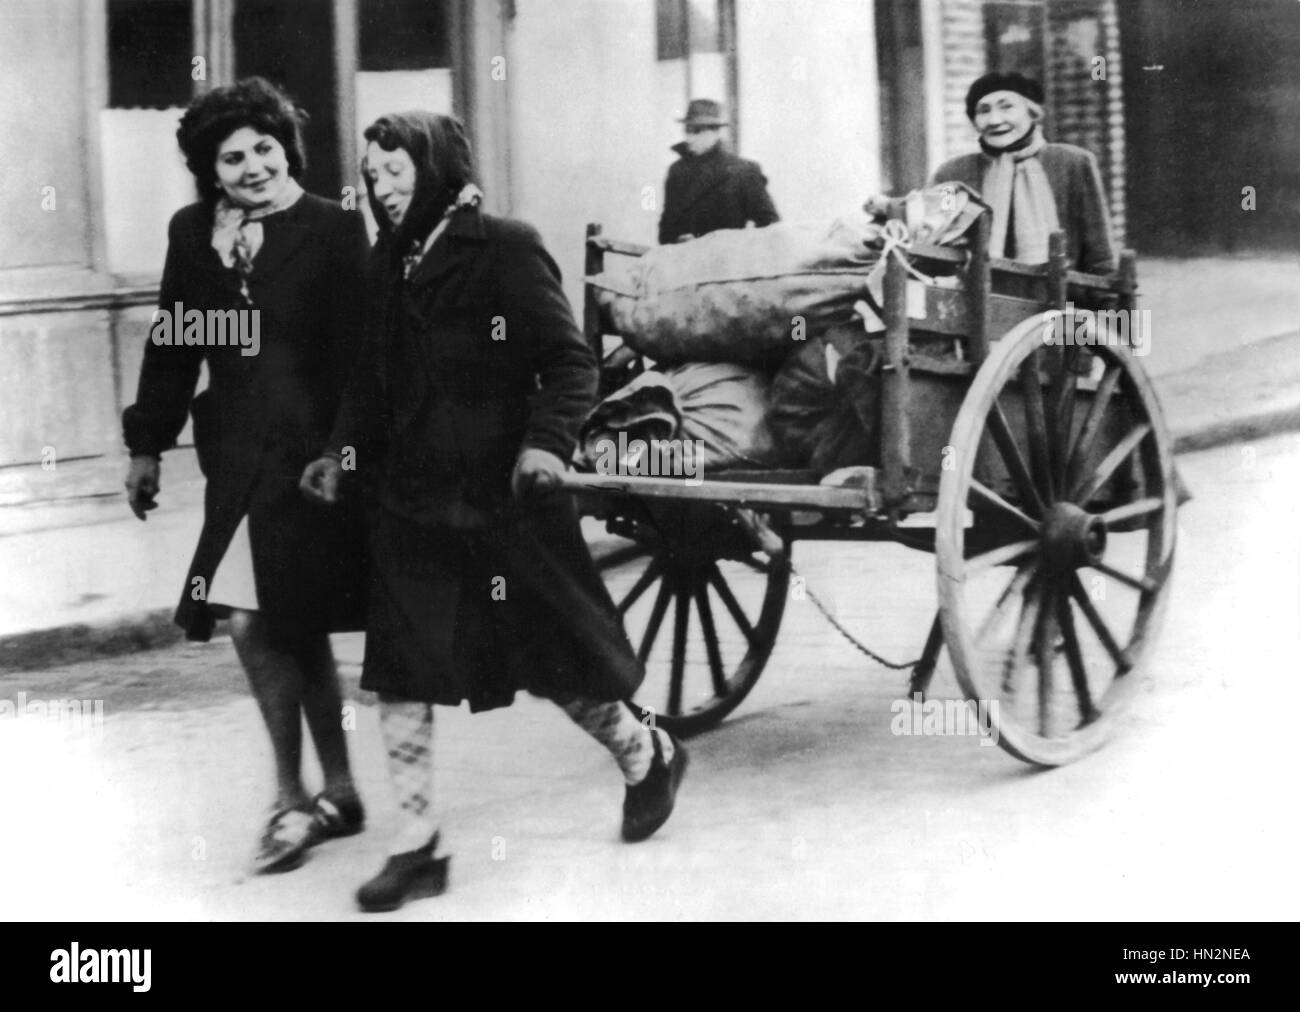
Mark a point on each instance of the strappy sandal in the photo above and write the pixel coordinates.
(285, 840)
(334, 819)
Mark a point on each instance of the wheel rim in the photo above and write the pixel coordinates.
(1050, 600)
(702, 614)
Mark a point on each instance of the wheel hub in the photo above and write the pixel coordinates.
(1072, 537)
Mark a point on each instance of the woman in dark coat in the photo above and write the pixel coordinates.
(1034, 187)
(468, 397)
(284, 572)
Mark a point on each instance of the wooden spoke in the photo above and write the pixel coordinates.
(986, 493)
(711, 648)
(729, 599)
(1092, 422)
(642, 584)
(1024, 632)
(1011, 457)
(755, 565)
(681, 625)
(1063, 410)
(1086, 490)
(1008, 600)
(1078, 673)
(656, 619)
(1098, 625)
(1136, 582)
(622, 556)
(1140, 507)
(1043, 637)
(1040, 457)
(1000, 556)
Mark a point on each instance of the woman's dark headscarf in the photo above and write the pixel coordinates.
(443, 166)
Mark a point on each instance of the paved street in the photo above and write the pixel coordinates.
(802, 804)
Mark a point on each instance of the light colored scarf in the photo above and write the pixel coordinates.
(1017, 179)
(469, 196)
(237, 232)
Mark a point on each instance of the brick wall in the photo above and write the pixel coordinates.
(964, 59)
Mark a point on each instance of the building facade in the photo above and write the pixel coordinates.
(572, 106)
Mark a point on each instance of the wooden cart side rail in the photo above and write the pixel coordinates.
(732, 493)
(607, 245)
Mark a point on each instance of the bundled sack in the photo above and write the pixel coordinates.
(825, 402)
(722, 405)
(737, 295)
(741, 295)
(940, 215)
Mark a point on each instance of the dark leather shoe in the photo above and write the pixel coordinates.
(415, 875)
(333, 819)
(647, 805)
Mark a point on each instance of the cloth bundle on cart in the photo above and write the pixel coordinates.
(757, 338)
(824, 403)
(749, 295)
(740, 295)
(718, 407)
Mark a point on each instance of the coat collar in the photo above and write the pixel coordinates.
(704, 173)
(286, 232)
(458, 243)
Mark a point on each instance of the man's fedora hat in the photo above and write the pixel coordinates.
(704, 112)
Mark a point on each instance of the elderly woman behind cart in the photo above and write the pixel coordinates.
(469, 396)
(283, 572)
(1034, 187)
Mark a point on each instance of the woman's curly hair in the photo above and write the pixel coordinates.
(253, 102)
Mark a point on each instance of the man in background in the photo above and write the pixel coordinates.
(709, 188)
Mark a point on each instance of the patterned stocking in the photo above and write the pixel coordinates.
(408, 738)
(627, 739)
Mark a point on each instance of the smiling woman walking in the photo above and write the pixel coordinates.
(467, 399)
(284, 573)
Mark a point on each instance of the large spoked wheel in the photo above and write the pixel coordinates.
(1052, 595)
(701, 604)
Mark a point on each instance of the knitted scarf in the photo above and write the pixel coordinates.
(1016, 187)
(237, 231)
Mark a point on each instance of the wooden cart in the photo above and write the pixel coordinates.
(1042, 476)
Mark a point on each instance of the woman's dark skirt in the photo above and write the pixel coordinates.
(477, 615)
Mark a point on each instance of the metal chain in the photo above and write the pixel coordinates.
(857, 643)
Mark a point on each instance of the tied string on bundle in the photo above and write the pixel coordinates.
(896, 240)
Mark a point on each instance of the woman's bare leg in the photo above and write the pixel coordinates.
(277, 684)
(322, 705)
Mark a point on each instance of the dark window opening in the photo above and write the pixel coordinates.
(150, 49)
(687, 26)
(291, 43)
(1015, 38)
(403, 35)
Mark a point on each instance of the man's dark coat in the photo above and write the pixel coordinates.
(712, 191)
